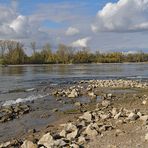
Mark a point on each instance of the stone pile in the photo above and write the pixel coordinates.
(88, 126)
(8, 113)
(72, 92)
(89, 89)
(114, 84)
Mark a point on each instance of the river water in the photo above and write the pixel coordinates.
(14, 80)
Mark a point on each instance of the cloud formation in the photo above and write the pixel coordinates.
(83, 42)
(72, 31)
(15, 26)
(122, 16)
(48, 23)
(12, 24)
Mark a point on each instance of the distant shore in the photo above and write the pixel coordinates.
(71, 64)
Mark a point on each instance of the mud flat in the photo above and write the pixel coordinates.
(103, 113)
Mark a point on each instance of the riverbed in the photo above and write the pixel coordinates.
(33, 85)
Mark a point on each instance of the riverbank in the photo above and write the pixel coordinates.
(116, 116)
(21, 65)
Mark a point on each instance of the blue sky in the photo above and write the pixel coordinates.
(106, 25)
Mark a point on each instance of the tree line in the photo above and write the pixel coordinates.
(13, 52)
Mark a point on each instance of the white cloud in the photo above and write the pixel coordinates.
(72, 31)
(15, 26)
(20, 25)
(81, 42)
(123, 16)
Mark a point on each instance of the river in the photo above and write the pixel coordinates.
(16, 79)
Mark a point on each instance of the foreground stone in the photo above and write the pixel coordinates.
(28, 144)
(46, 140)
(8, 113)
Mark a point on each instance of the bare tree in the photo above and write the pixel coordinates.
(33, 46)
(11, 45)
(3, 47)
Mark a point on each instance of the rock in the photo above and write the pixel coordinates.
(139, 114)
(24, 108)
(132, 116)
(105, 116)
(17, 109)
(111, 146)
(117, 116)
(88, 89)
(55, 93)
(32, 131)
(6, 117)
(71, 136)
(55, 110)
(81, 123)
(92, 95)
(119, 122)
(87, 116)
(5, 145)
(28, 144)
(46, 140)
(7, 109)
(114, 112)
(106, 103)
(144, 102)
(110, 95)
(74, 146)
(70, 127)
(105, 127)
(90, 131)
(78, 104)
(144, 118)
(146, 136)
(63, 133)
(73, 94)
(118, 132)
(11, 112)
(81, 140)
(60, 143)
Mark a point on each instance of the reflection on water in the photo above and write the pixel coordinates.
(29, 76)
(11, 71)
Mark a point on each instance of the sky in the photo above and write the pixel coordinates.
(104, 25)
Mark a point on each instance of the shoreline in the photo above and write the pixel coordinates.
(73, 64)
(118, 99)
